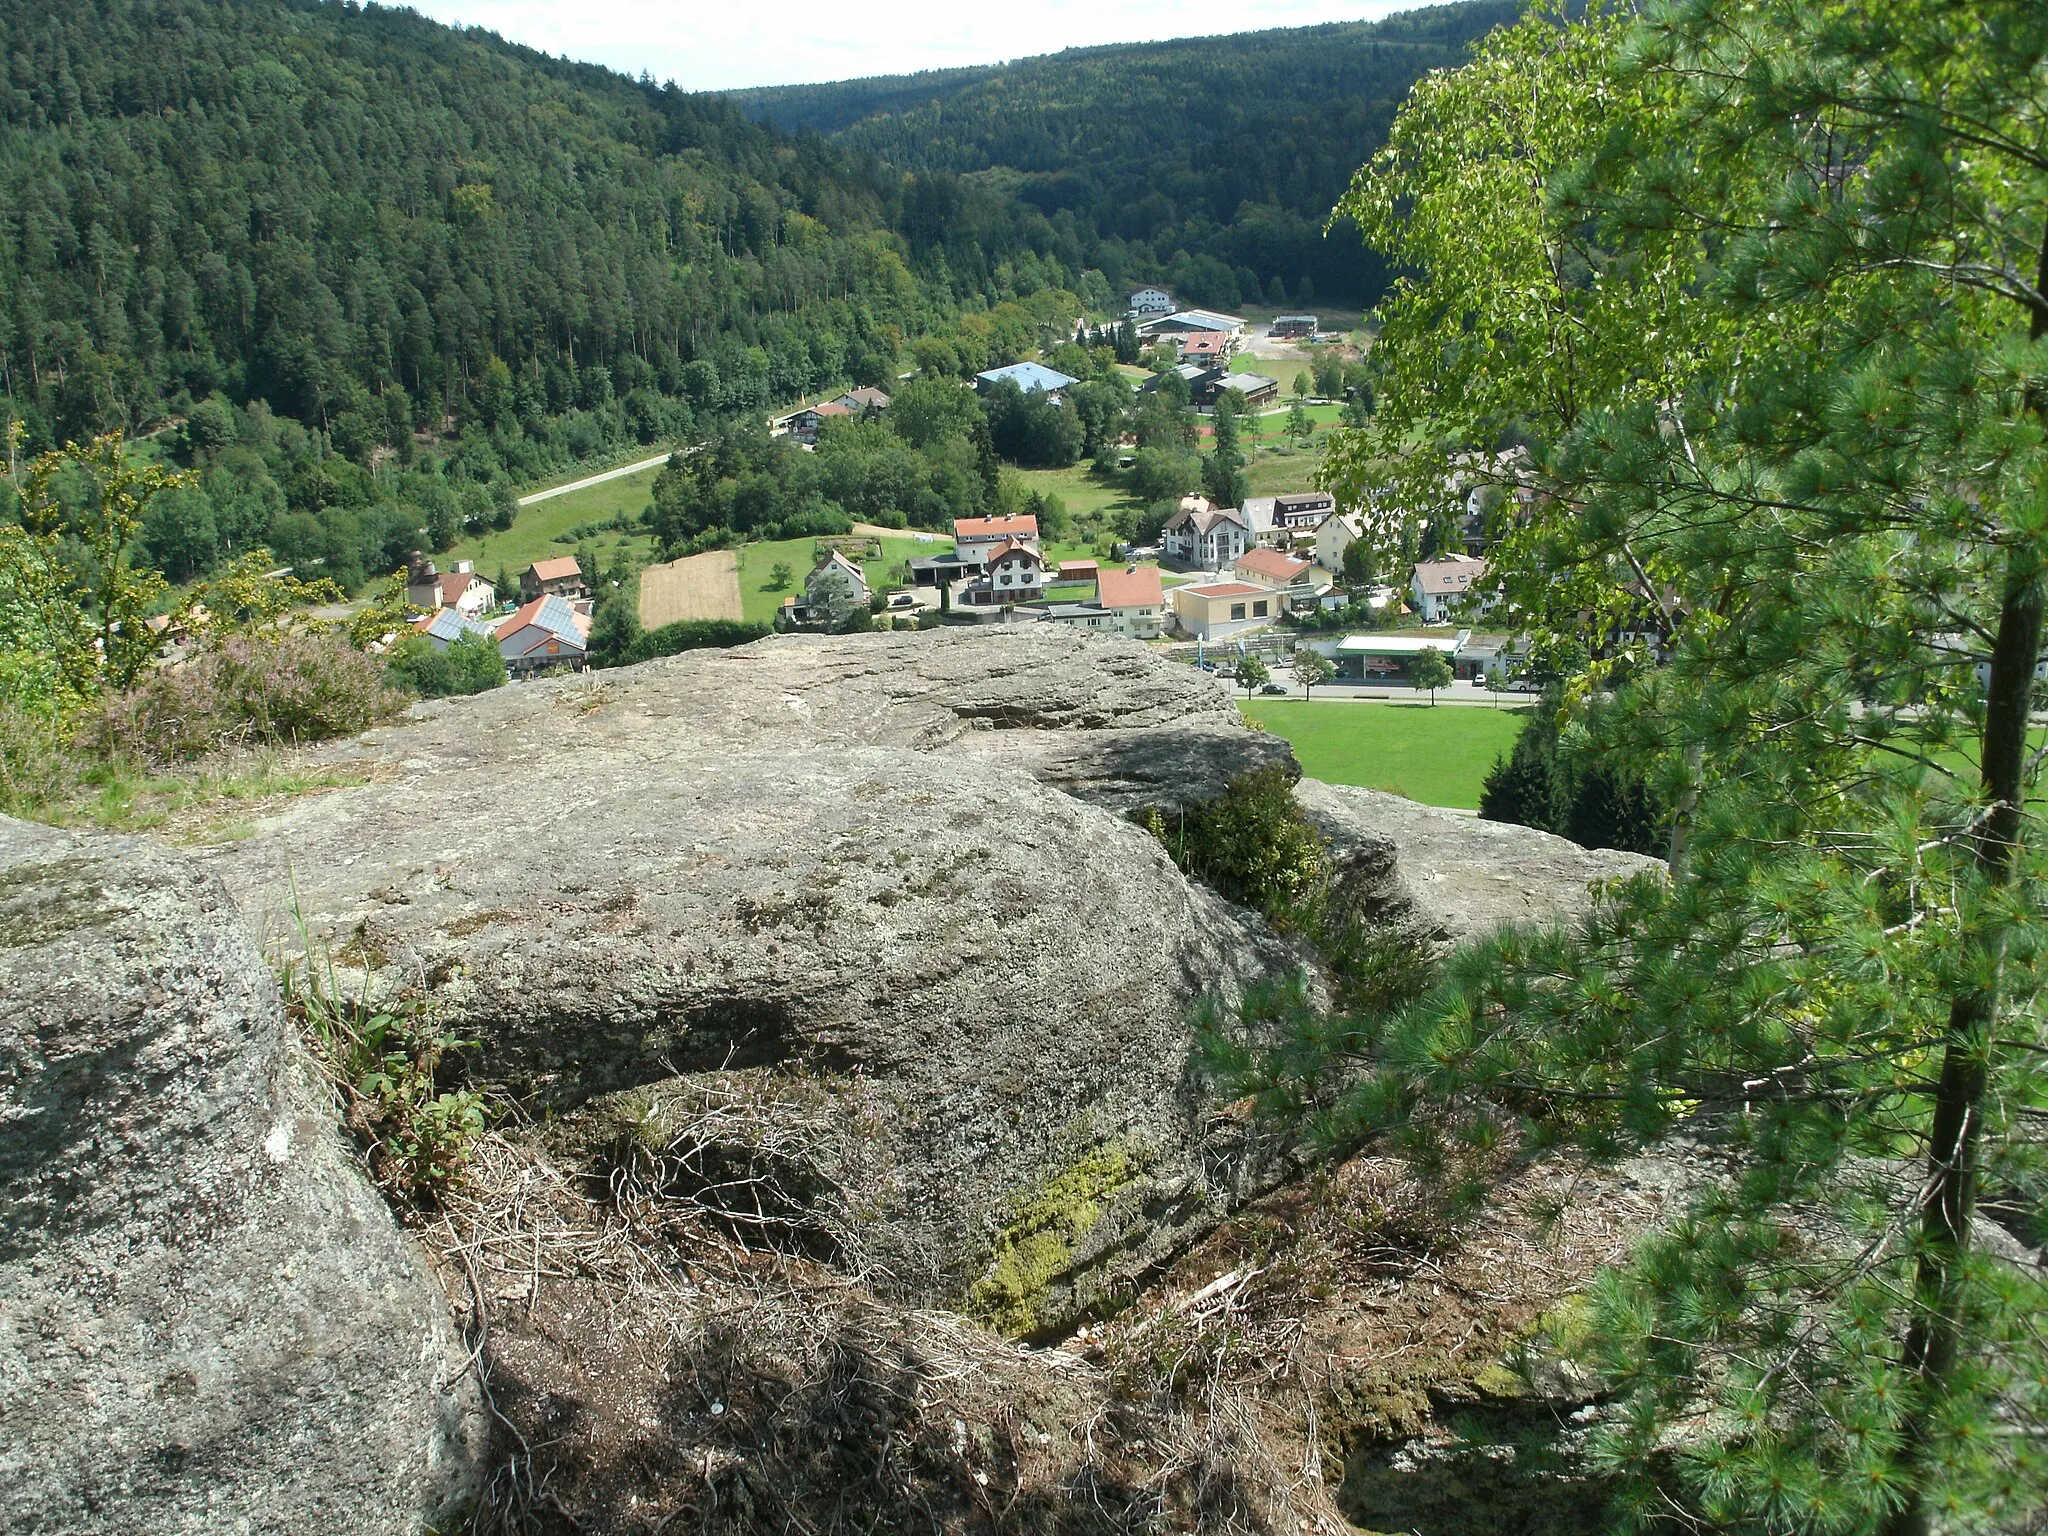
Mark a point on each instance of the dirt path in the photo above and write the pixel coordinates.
(696, 587)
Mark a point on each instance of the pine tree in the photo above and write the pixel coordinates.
(1800, 421)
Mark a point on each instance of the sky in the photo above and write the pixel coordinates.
(721, 46)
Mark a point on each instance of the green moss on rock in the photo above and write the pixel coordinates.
(1039, 1242)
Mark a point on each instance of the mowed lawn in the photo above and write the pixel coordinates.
(532, 534)
(759, 598)
(1438, 755)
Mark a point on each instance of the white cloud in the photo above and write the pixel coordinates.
(714, 47)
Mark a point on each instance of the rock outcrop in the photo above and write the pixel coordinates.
(1452, 877)
(209, 1320)
(796, 855)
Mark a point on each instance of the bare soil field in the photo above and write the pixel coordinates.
(703, 586)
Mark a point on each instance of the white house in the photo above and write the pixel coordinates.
(1441, 586)
(1134, 600)
(459, 587)
(835, 587)
(1015, 573)
(1333, 534)
(1205, 536)
(1151, 301)
(975, 537)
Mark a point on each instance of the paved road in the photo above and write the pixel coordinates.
(611, 474)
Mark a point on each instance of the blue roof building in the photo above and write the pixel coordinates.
(1032, 378)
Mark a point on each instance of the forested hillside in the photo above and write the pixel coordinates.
(361, 231)
(1211, 163)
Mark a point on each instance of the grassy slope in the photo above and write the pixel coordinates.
(1436, 755)
(532, 535)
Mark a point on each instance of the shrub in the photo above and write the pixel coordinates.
(471, 664)
(280, 689)
(691, 635)
(1252, 843)
(36, 764)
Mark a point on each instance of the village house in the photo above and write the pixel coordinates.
(1301, 583)
(1127, 602)
(542, 636)
(445, 626)
(1015, 573)
(1333, 534)
(1212, 611)
(864, 401)
(459, 587)
(1443, 586)
(1303, 510)
(561, 577)
(1204, 536)
(974, 538)
(1290, 521)
(804, 425)
(1206, 348)
(1032, 378)
(1133, 599)
(1286, 327)
(835, 587)
(1150, 301)
(1256, 388)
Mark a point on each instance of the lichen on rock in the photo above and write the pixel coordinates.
(1037, 1245)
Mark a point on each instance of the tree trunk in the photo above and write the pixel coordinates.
(1949, 1195)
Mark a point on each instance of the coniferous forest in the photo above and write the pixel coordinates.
(1208, 163)
(350, 212)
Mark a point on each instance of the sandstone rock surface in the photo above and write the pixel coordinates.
(794, 855)
(1454, 877)
(209, 1320)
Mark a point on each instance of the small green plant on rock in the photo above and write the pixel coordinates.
(385, 1060)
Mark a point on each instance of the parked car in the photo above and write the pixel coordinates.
(902, 599)
(1274, 688)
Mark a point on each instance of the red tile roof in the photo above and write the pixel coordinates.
(1133, 588)
(1014, 547)
(1228, 589)
(1021, 526)
(1271, 564)
(556, 570)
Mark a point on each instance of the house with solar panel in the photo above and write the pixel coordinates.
(443, 627)
(546, 635)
